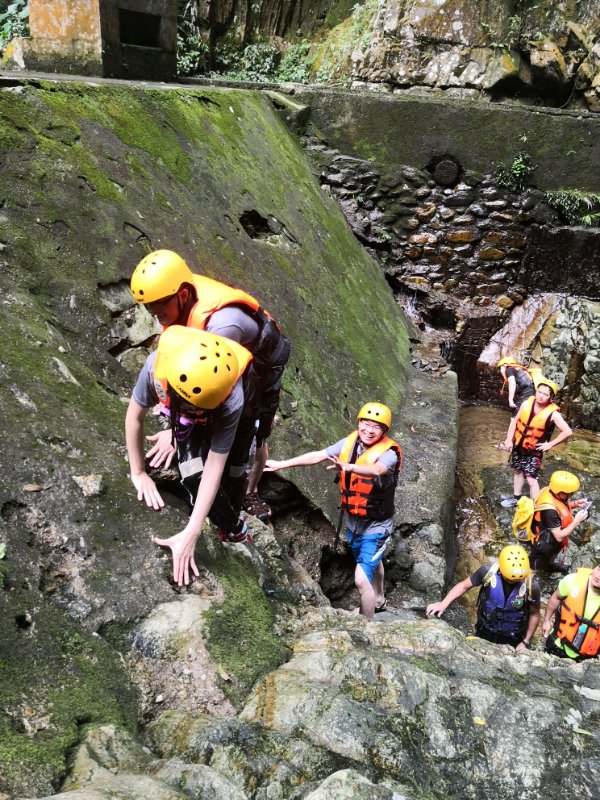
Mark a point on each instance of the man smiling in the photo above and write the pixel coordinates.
(368, 463)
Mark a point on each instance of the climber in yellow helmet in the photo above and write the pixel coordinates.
(519, 381)
(367, 462)
(166, 286)
(203, 384)
(508, 605)
(555, 518)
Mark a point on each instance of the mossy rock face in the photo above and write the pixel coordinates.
(93, 178)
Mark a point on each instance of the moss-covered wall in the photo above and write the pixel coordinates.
(91, 179)
(564, 146)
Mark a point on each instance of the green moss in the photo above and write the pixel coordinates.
(77, 680)
(240, 631)
(430, 665)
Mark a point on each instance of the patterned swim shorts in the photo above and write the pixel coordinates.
(526, 461)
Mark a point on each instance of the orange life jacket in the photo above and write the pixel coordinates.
(547, 501)
(572, 617)
(361, 495)
(213, 295)
(532, 429)
(244, 357)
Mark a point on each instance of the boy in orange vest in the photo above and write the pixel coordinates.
(204, 384)
(528, 438)
(164, 283)
(367, 462)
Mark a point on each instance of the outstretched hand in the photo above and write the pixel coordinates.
(147, 491)
(163, 451)
(435, 609)
(340, 466)
(182, 546)
(271, 465)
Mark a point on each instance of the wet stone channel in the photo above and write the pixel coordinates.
(483, 526)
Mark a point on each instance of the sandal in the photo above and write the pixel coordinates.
(381, 608)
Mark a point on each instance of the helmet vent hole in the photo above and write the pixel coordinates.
(196, 390)
(215, 370)
(228, 368)
(183, 378)
(202, 358)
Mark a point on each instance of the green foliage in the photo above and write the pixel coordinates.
(514, 176)
(14, 21)
(572, 205)
(295, 65)
(257, 62)
(192, 50)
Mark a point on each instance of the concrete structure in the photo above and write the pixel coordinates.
(111, 38)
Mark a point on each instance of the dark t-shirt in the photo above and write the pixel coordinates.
(524, 385)
(544, 551)
(478, 576)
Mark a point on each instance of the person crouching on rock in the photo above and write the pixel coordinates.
(204, 383)
(577, 626)
(367, 462)
(519, 381)
(528, 438)
(508, 606)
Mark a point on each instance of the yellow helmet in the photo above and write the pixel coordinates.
(513, 563)
(504, 362)
(540, 380)
(159, 275)
(376, 412)
(201, 367)
(563, 481)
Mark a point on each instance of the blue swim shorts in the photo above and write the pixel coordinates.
(368, 550)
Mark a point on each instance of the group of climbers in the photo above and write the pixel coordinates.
(508, 606)
(216, 377)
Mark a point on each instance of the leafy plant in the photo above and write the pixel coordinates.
(515, 175)
(14, 22)
(192, 50)
(572, 205)
(257, 62)
(295, 65)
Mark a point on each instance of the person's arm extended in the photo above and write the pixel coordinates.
(134, 441)
(565, 432)
(562, 533)
(437, 609)
(304, 460)
(512, 387)
(183, 544)
(551, 607)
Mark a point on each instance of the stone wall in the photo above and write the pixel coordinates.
(463, 252)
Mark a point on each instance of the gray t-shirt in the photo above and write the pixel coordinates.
(230, 411)
(358, 526)
(235, 324)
